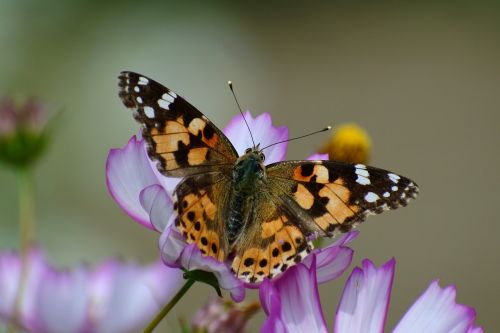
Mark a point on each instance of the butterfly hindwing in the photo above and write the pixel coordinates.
(179, 137)
(272, 243)
(200, 202)
(337, 195)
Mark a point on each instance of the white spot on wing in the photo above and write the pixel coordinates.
(143, 81)
(363, 175)
(168, 98)
(393, 177)
(163, 104)
(386, 194)
(362, 172)
(371, 197)
(363, 180)
(137, 89)
(139, 100)
(394, 188)
(149, 111)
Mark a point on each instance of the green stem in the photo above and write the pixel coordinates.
(169, 306)
(27, 235)
(26, 208)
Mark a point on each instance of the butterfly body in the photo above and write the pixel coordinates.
(248, 178)
(258, 217)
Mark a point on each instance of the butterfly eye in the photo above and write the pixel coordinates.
(262, 157)
(248, 150)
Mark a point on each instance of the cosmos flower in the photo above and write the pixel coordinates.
(145, 195)
(112, 297)
(363, 306)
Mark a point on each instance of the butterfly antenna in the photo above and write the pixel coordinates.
(239, 107)
(299, 137)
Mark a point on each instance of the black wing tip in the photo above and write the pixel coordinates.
(126, 80)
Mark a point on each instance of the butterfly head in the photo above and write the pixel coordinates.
(249, 167)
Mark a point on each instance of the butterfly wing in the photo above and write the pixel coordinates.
(273, 241)
(308, 198)
(185, 144)
(179, 137)
(201, 205)
(337, 196)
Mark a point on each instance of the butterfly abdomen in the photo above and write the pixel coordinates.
(239, 202)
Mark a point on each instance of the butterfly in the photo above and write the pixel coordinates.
(261, 218)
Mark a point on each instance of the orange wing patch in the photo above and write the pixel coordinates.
(282, 245)
(195, 212)
(312, 172)
(304, 197)
(328, 204)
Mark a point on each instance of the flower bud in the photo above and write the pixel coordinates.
(221, 316)
(23, 132)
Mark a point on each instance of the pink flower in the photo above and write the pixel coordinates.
(363, 306)
(145, 195)
(113, 297)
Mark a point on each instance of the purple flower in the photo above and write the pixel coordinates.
(145, 195)
(129, 172)
(113, 297)
(263, 132)
(363, 306)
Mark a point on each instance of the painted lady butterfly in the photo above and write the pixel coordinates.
(235, 207)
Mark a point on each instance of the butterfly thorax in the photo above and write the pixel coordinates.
(248, 176)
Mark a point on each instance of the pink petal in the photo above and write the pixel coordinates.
(273, 324)
(171, 244)
(364, 301)
(333, 263)
(193, 259)
(269, 297)
(334, 259)
(436, 311)
(127, 296)
(10, 272)
(176, 253)
(318, 157)
(158, 205)
(299, 286)
(263, 132)
(271, 304)
(128, 172)
(63, 300)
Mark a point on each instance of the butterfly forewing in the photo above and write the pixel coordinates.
(179, 137)
(336, 195)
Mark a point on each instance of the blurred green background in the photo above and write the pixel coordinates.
(423, 79)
